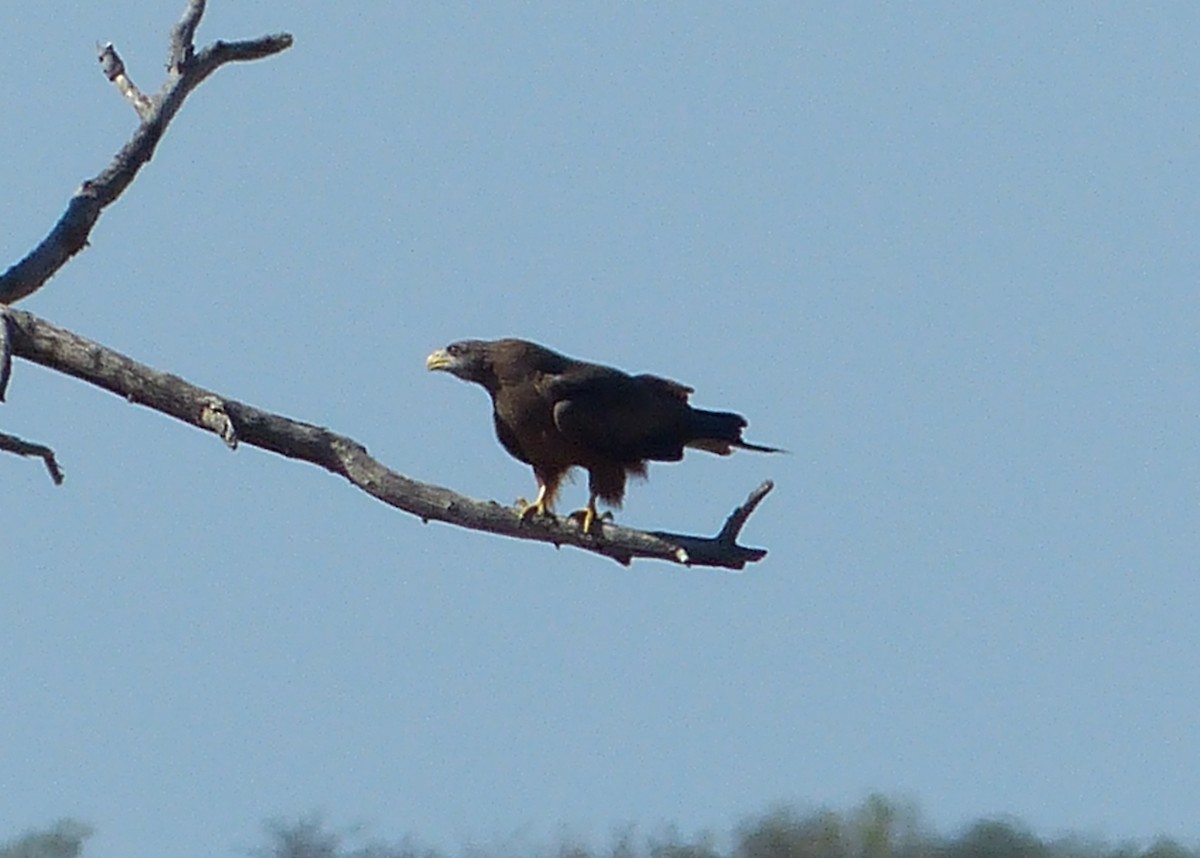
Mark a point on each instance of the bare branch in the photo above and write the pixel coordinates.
(5, 352)
(183, 36)
(37, 340)
(13, 444)
(114, 69)
(70, 234)
(738, 518)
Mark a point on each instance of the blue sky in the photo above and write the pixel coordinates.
(945, 253)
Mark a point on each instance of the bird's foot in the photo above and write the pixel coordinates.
(527, 510)
(587, 518)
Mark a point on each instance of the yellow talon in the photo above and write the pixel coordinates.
(529, 510)
(538, 507)
(588, 516)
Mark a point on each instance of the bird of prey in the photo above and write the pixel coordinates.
(555, 413)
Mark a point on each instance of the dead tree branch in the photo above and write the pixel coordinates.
(39, 341)
(13, 444)
(5, 352)
(114, 69)
(186, 70)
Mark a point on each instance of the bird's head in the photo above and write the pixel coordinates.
(467, 359)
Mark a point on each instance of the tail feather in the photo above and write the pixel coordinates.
(759, 448)
(719, 432)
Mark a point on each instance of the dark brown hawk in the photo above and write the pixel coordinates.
(556, 413)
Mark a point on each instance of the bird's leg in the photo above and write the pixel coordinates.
(588, 516)
(539, 505)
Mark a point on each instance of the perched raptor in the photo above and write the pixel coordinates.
(555, 413)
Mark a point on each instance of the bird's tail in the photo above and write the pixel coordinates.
(758, 448)
(719, 432)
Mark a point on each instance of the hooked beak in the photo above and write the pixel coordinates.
(440, 359)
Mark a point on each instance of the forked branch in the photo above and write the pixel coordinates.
(236, 422)
(186, 69)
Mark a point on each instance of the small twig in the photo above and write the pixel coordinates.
(114, 69)
(70, 234)
(737, 518)
(13, 444)
(183, 36)
(37, 340)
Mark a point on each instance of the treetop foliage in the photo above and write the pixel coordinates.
(877, 828)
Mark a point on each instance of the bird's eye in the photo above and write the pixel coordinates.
(454, 349)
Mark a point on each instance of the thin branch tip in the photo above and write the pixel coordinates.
(21, 447)
(52, 466)
(110, 61)
(183, 35)
(113, 68)
(738, 518)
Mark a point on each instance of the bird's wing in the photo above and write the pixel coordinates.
(628, 418)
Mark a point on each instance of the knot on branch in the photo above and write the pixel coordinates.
(215, 418)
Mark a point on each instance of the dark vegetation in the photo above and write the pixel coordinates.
(878, 828)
